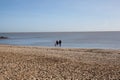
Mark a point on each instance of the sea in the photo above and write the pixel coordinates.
(102, 40)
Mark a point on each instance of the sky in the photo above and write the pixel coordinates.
(59, 15)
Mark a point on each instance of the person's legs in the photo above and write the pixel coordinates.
(60, 44)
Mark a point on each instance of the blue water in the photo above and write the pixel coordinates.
(69, 39)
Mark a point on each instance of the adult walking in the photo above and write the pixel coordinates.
(60, 42)
(56, 43)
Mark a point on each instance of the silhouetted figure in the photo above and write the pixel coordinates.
(60, 42)
(56, 43)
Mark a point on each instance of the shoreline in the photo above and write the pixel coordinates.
(36, 62)
(62, 47)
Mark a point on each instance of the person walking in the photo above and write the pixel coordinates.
(60, 42)
(56, 43)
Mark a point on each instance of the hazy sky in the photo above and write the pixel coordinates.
(59, 15)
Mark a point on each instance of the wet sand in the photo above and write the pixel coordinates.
(42, 63)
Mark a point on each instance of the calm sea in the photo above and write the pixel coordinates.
(69, 39)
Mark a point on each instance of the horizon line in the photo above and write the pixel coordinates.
(57, 31)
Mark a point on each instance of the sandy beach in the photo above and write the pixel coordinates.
(42, 63)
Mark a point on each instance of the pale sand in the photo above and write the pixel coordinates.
(38, 63)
